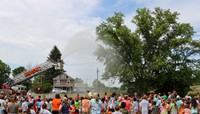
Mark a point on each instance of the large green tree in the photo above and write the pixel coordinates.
(159, 54)
(4, 72)
(19, 70)
(43, 83)
(55, 56)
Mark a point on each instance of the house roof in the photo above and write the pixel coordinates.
(63, 76)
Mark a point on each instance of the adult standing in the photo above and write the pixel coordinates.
(30, 109)
(128, 103)
(65, 106)
(194, 106)
(173, 107)
(96, 105)
(13, 106)
(86, 105)
(45, 110)
(2, 102)
(144, 105)
(25, 105)
(105, 96)
(56, 104)
(135, 106)
(112, 102)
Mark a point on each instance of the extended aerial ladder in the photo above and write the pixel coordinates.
(26, 75)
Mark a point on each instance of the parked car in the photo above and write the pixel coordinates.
(58, 90)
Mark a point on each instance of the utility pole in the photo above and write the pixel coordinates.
(97, 80)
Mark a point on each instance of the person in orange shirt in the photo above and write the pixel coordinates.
(180, 111)
(56, 104)
(86, 105)
(168, 106)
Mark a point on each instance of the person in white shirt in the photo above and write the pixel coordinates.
(2, 102)
(25, 105)
(30, 109)
(45, 110)
(144, 105)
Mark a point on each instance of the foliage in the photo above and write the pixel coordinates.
(47, 87)
(45, 80)
(101, 86)
(55, 55)
(41, 82)
(19, 70)
(159, 54)
(4, 72)
(78, 80)
(37, 89)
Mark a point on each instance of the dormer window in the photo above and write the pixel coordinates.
(63, 76)
(57, 81)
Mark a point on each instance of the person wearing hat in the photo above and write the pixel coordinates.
(64, 107)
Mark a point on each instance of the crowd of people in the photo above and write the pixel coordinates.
(95, 104)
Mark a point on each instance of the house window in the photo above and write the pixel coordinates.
(57, 81)
(63, 76)
(68, 82)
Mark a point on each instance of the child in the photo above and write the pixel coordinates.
(72, 108)
(122, 109)
(117, 110)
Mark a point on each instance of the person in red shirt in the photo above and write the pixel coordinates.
(72, 108)
(56, 104)
(77, 97)
(105, 96)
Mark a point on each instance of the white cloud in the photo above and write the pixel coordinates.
(34, 26)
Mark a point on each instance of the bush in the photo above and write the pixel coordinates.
(45, 88)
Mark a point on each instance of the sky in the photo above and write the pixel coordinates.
(30, 28)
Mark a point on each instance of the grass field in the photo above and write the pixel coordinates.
(51, 95)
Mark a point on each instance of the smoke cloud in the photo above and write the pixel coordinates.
(82, 41)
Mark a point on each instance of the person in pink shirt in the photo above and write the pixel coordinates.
(128, 103)
(187, 110)
(86, 105)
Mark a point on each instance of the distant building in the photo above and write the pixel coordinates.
(64, 82)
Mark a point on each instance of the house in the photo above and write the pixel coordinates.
(64, 82)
